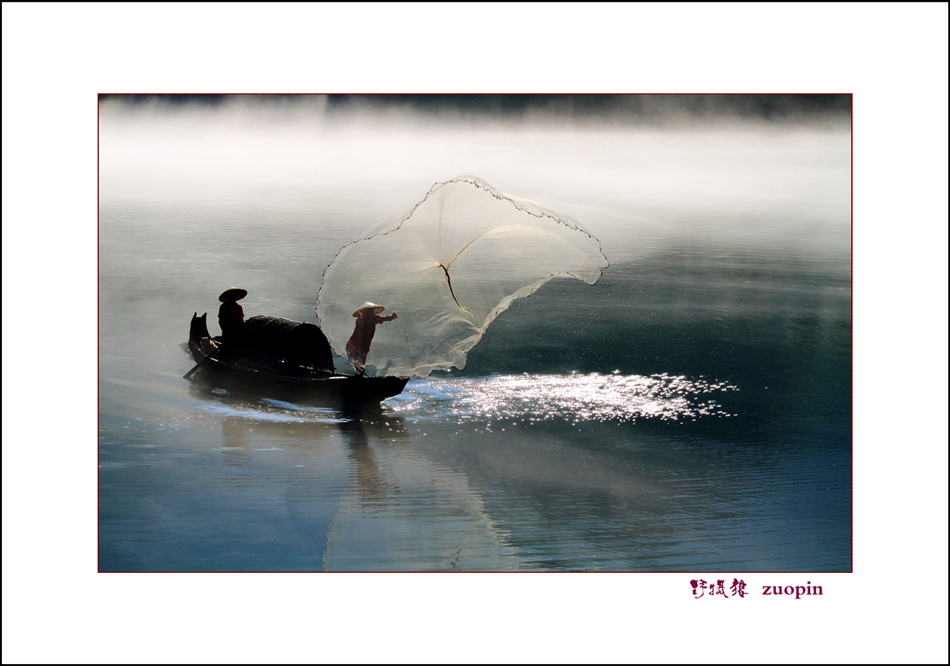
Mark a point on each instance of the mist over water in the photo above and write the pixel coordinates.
(689, 411)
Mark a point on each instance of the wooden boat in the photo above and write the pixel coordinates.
(287, 355)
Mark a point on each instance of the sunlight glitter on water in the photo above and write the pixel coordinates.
(574, 397)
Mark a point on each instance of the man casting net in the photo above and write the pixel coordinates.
(450, 264)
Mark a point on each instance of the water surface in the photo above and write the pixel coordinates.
(689, 412)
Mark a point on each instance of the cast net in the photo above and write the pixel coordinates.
(448, 265)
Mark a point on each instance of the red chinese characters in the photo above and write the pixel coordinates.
(703, 589)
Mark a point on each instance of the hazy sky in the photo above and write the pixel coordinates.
(691, 152)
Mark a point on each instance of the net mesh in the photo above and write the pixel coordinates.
(448, 265)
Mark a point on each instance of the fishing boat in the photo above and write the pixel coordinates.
(287, 355)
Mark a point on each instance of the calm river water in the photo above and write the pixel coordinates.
(689, 412)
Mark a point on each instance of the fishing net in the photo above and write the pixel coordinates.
(448, 265)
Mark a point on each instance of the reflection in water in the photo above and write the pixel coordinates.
(406, 512)
(401, 500)
(393, 506)
(236, 448)
(369, 483)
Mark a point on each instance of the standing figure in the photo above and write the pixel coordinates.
(231, 314)
(357, 347)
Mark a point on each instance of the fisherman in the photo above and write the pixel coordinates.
(231, 314)
(357, 347)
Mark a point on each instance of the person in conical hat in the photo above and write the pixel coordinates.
(357, 347)
(231, 314)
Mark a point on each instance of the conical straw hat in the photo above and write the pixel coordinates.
(233, 293)
(369, 306)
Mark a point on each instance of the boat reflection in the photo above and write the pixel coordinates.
(386, 503)
(369, 482)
